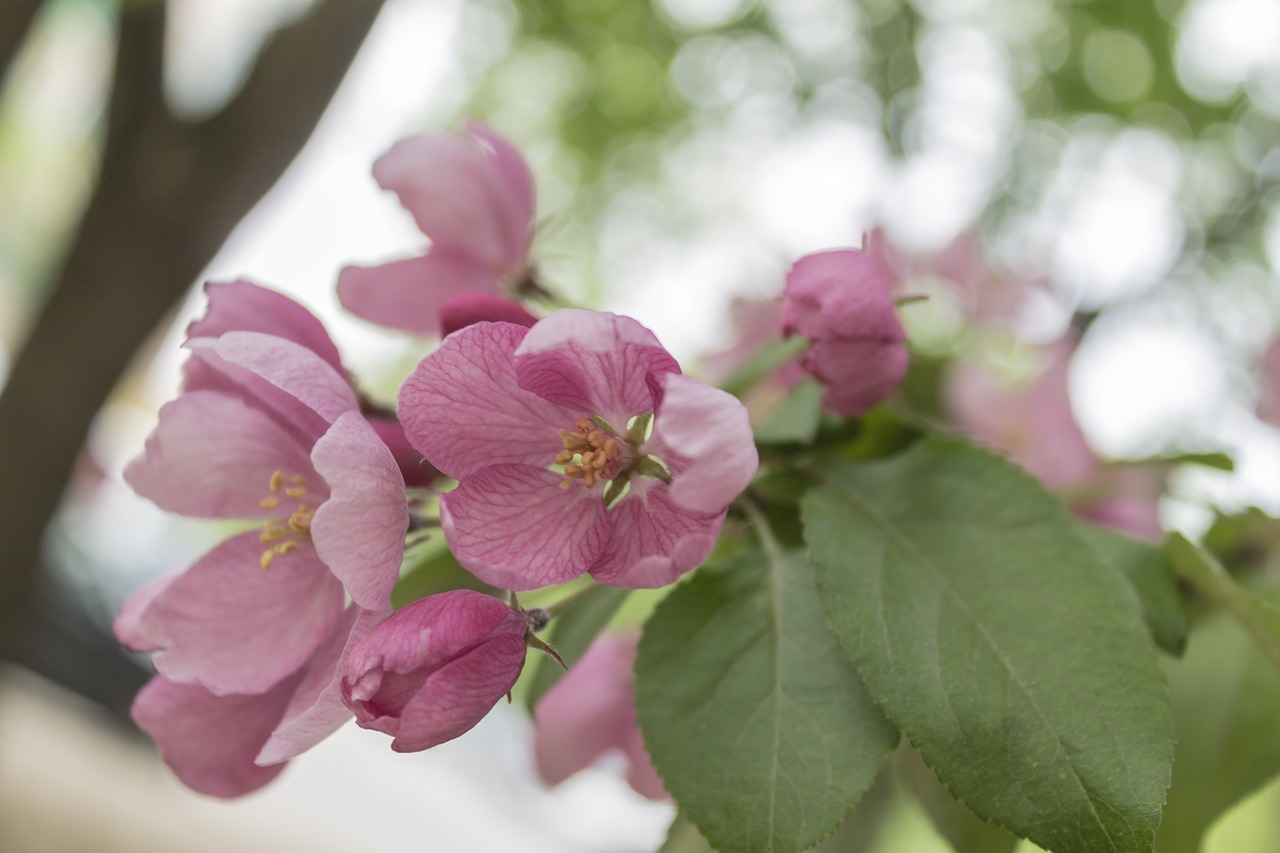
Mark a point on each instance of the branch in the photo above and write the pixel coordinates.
(167, 196)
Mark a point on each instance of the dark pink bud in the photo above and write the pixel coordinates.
(477, 307)
(433, 669)
(842, 301)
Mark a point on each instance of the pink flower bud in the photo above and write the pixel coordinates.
(842, 301)
(435, 668)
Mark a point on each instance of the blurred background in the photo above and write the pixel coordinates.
(1041, 169)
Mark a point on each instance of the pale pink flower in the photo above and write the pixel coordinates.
(646, 460)
(472, 195)
(432, 670)
(843, 302)
(281, 440)
(1269, 398)
(592, 710)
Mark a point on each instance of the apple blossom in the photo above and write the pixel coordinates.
(579, 447)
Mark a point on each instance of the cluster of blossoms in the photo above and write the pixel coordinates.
(577, 444)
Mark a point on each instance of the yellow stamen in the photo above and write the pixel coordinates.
(295, 492)
(265, 559)
(269, 502)
(277, 481)
(297, 479)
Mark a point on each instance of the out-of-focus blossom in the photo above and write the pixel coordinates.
(435, 668)
(843, 302)
(1033, 422)
(470, 308)
(579, 447)
(590, 711)
(1269, 398)
(472, 195)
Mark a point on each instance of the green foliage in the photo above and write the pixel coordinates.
(431, 570)
(756, 722)
(1153, 578)
(964, 830)
(1009, 654)
(1225, 701)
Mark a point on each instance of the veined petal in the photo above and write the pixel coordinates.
(212, 456)
(414, 467)
(359, 531)
(462, 408)
(292, 368)
(513, 527)
(458, 695)
(711, 430)
(205, 370)
(407, 294)
(210, 741)
(316, 709)
(236, 628)
(655, 540)
(593, 363)
(844, 293)
(241, 306)
(449, 185)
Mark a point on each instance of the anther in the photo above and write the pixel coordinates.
(277, 481)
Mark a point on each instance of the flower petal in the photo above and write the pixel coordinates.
(711, 430)
(514, 527)
(359, 531)
(473, 307)
(292, 368)
(212, 456)
(515, 185)
(126, 624)
(205, 370)
(451, 187)
(210, 741)
(844, 293)
(859, 373)
(593, 363)
(235, 628)
(414, 467)
(241, 306)
(316, 709)
(655, 540)
(462, 407)
(407, 294)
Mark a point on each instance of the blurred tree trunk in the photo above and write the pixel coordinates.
(168, 194)
(15, 20)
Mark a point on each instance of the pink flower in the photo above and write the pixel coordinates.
(592, 710)
(272, 432)
(1269, 398)
(842, 301)
(578, 447)
(472, 194)
(431, 672)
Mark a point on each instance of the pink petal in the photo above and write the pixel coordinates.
(241, 306)
(459, 694)
(450, 185)
(467, 309)
(710, 429)
(359, 531)
(408, 294)
(212, 456)
(292, 368)
(513, 527)
(236, 628)
(593, 362)
(210, 741)
(642, 776)
(462, 407)
(589, 710)
(843, 293)
(860, 373)
(655, 540)
(434, 668)
(316, 709)
(205, 370)
(126, 624)
(515, 185)
(1269, 397)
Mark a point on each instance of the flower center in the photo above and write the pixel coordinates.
(590, 454)
(282, 535)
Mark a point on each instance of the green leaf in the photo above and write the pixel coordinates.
(964, 830)
(1258, 616)
(1151, 574)
(995, 638)
(571, 633)
(797, 419)
(683, 837)
(1225, 701)
(759, 727)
